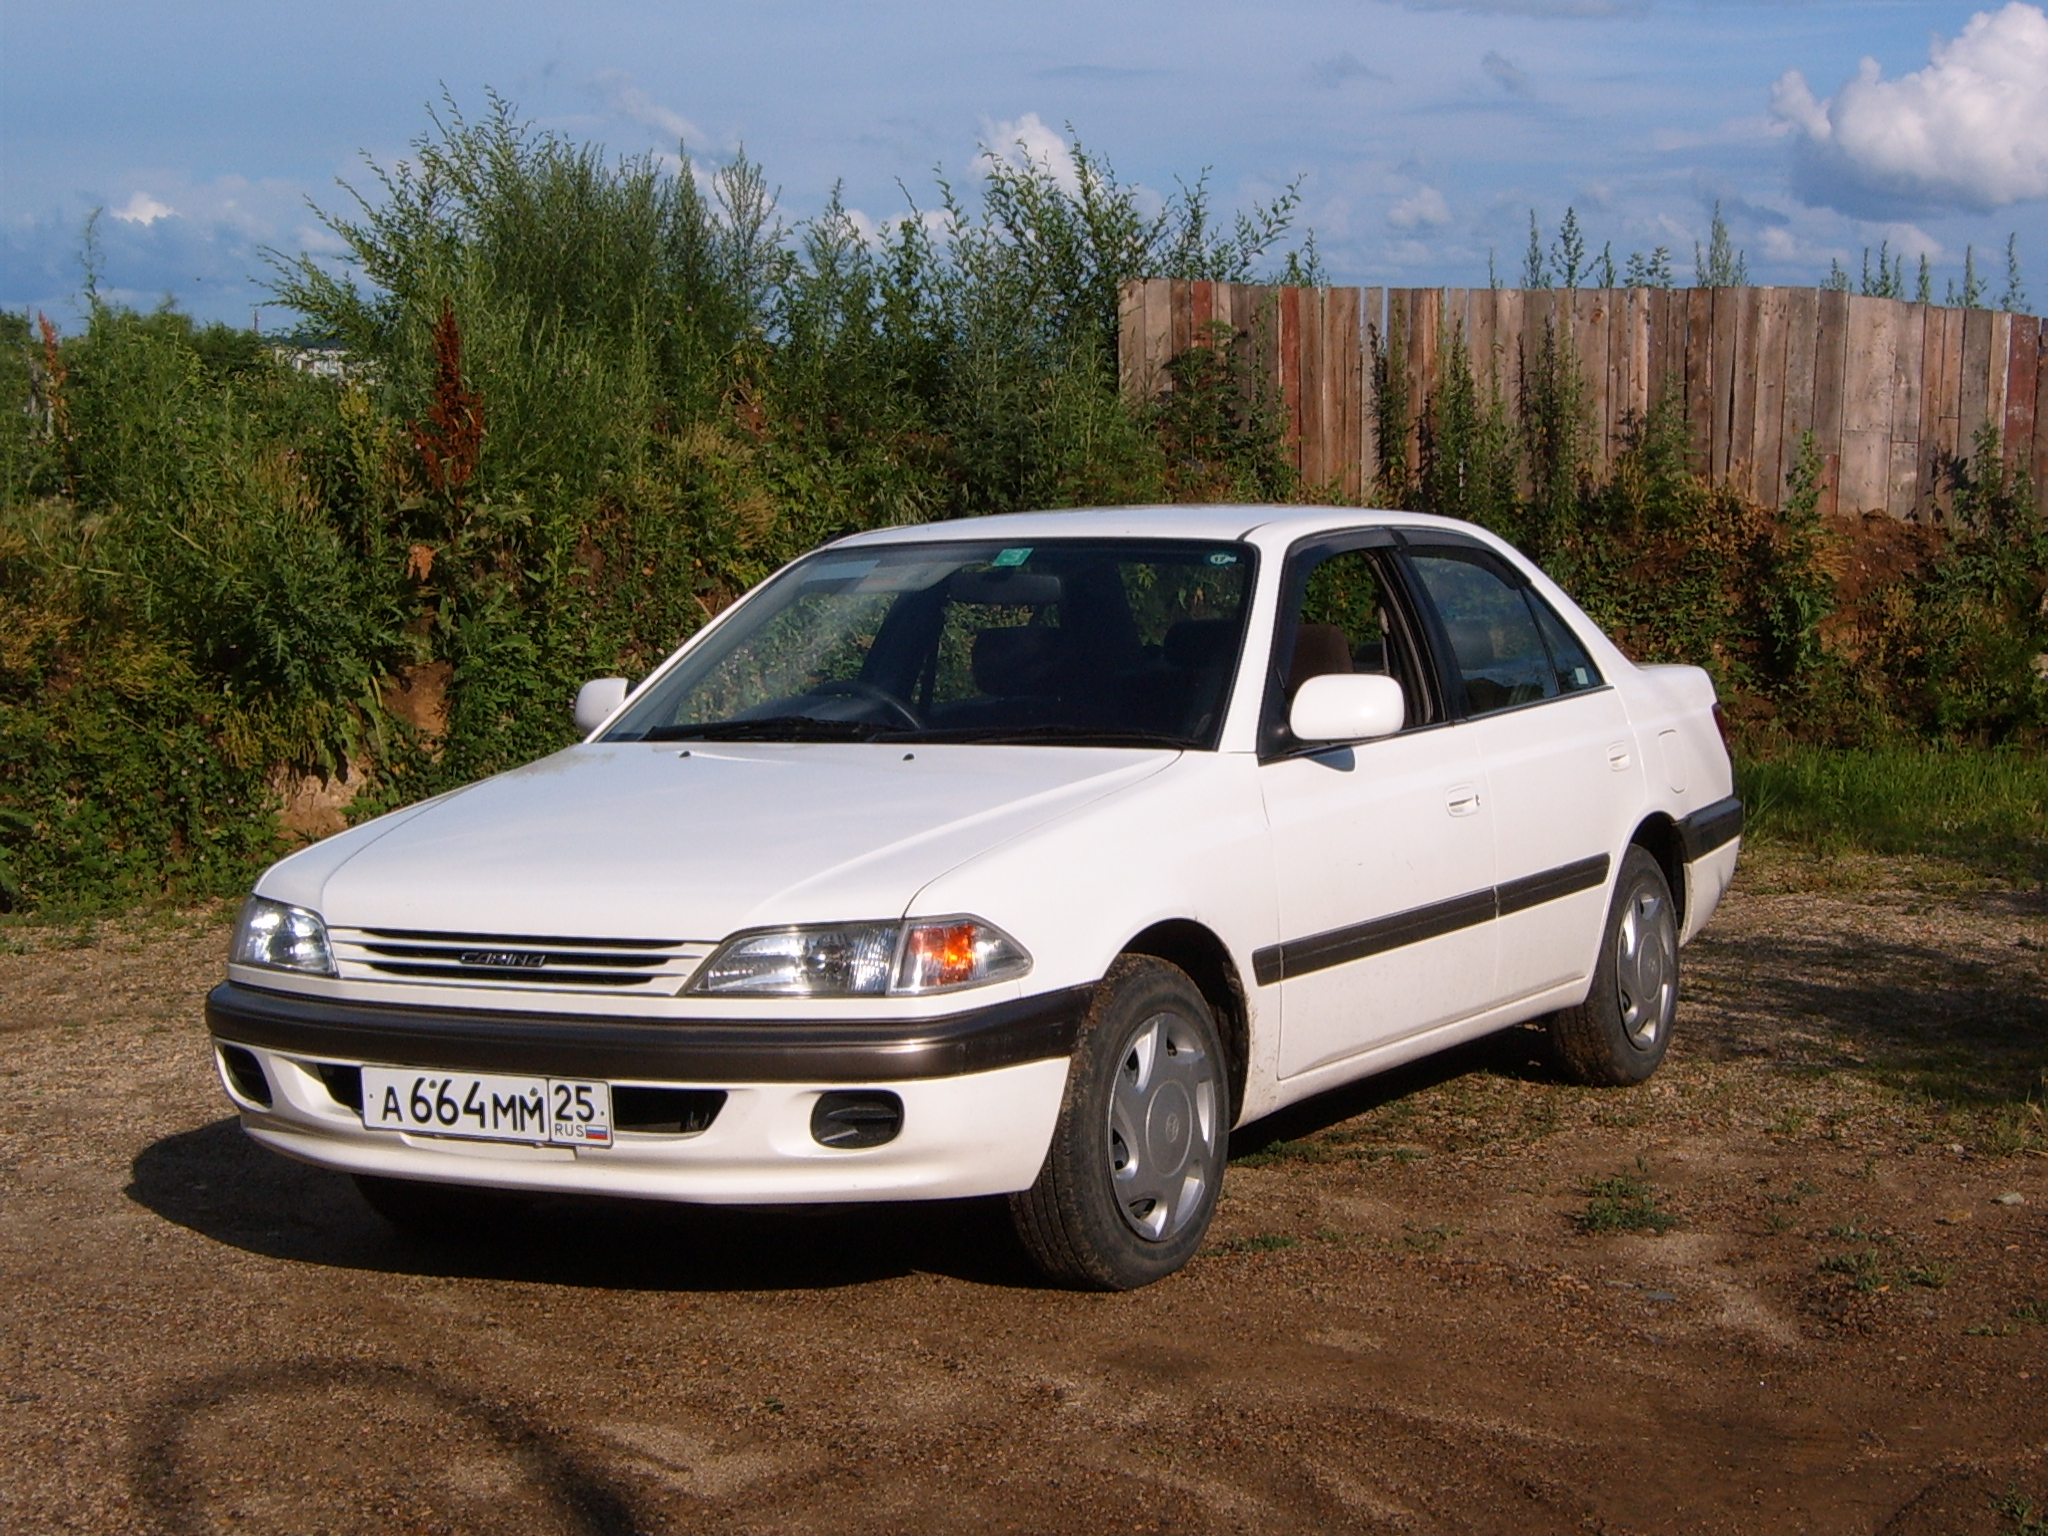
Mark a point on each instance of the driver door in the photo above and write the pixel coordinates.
(1383, 849)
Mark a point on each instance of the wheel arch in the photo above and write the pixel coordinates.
(1206, 959)
(1657, 835)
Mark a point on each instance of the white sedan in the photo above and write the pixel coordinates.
(1026, 856)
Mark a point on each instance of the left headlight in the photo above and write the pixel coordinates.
(281, 938)
(910, 958)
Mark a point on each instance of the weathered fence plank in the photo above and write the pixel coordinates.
(2023, 361)
(1768, 433)
(1891, 393)
(1908, 358)
(2040, 456)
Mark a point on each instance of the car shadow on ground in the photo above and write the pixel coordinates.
(1520, 1053)
(218, 1183)
(1965, 1028)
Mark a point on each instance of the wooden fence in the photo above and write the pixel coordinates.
(1891, 391)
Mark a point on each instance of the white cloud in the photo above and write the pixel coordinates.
(635, 105)
(1423, 209)
(144, 210)
(875, 233)
(1970, 130)
(1028, 141)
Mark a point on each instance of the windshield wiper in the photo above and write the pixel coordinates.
(773, 728)
(1026, 735)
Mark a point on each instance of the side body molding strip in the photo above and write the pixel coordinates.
(1340, 946)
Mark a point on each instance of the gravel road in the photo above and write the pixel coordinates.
(1405, 1321)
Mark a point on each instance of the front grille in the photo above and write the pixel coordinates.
(526, 961)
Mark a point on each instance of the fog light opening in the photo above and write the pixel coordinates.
(665, 1111)
(852, 1119)
(245, 1072)
(344, 1084)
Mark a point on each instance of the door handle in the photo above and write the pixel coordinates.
(1462, 800)
(1617, 756)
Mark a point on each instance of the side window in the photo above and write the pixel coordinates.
(1348, 623)
(1495, 644)
(1575, 669)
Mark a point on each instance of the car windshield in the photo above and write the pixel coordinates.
(1082, 642)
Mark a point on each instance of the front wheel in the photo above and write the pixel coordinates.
(1136, 1161)
(1618, 1035)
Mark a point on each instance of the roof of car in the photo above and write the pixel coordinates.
(1230, 521)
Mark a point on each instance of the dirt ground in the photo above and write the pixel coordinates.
(1423, 1308)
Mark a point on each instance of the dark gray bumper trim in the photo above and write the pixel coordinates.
(1710, 827)
(609, 1047)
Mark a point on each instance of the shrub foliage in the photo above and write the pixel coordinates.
(568, 405)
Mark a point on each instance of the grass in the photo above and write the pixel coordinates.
(2026, 1518)
(1429, 1239)
(1977, 808)
(1864, 1270)
(1284, 1152)
(1264, 1242)
(1625, 1203)
(1860, 1269)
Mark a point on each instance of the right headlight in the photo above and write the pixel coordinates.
(914, 957)
(281, 937)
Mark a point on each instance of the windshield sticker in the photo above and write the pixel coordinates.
(1223, 557)
(1010, 557)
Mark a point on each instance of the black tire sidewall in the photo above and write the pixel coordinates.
(1105, 1251)
(1629, 1062)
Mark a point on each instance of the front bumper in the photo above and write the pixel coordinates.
(980, 1090)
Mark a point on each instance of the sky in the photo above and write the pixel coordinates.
(1421, 132)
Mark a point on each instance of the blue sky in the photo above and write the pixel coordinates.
(1423, 130)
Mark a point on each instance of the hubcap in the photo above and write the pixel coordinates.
(1646, 966)
(1162, 1127)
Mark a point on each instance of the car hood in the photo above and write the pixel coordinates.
(643, 841)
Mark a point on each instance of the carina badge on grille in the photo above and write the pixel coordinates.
(505, 959)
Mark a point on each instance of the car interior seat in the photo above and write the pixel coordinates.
(1014, 661)
(1319, 649)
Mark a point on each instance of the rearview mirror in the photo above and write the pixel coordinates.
(1005, 588)
(596, 700)
(1347, 706)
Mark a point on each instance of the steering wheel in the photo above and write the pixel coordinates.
(853, 687)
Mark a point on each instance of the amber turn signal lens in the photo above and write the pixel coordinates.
(943, 955)
(957, 952)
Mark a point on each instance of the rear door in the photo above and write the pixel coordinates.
(1383, 849)
(1561, 765)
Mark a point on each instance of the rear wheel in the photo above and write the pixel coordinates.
(1136, 1161)
(1619, 1034)
(421, 1209)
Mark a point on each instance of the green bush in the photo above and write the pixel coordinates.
(583, 403)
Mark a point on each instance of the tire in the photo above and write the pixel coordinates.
(426, 1210)
(1131, 1179)
(1618, 1036)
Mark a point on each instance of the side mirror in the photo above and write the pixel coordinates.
(1347, 706)
(596, 700)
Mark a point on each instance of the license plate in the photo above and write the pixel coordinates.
(482, 1107)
